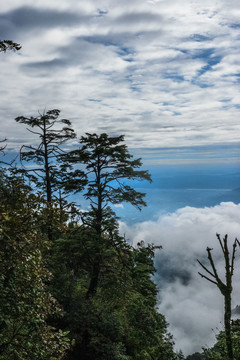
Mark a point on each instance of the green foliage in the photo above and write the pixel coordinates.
(120, 321)
(25, 302)
(107, 164)
(48, 175)
(219, 350)
(103, 284)
(48, 153)
(196, 356)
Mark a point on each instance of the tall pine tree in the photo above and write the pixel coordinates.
(109, 167)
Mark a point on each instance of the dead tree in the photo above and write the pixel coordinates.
(225, 288)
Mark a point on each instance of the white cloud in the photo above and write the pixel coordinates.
(146, 63)
(119, 206)
(192, 305)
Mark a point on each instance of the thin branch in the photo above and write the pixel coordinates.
(220, 242)
(233, 255)
(212, 264)
(206, 269)
(33, 132)
(205, 277)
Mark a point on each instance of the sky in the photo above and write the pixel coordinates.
(165, 74)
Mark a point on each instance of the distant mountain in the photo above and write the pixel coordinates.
(236, 311)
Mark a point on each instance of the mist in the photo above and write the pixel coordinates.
(192, 306)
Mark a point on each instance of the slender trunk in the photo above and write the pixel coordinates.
(61, 208)
(48, 183)
(98, 229)
(227, 324)
(47, 170)
(225, 289)
(94, 279)
(227, 300)
(96, 265)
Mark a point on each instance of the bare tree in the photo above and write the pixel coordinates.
(225, 288)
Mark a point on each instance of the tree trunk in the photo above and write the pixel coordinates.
(48, 184)
(94, 279)
(98, 228)
(227, 324)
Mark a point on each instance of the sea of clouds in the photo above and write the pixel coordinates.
(192, 305)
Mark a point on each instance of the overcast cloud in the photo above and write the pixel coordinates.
(164, 73)
(192, 305)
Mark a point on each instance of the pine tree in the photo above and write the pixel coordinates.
(47, 156)
(48, 150)
(109, 168)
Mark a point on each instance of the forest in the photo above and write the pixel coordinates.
(71, 287)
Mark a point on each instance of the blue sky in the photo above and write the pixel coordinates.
(178, 186)
(166, 74)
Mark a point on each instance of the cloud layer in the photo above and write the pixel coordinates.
(192, 305)
(161, 73)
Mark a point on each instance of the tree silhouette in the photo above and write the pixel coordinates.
(47, 175)
(2, 147)
(108, 165)
(47, 153)
(225, 288)
(6, 45)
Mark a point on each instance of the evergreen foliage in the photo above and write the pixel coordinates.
(47, 155)
(25, 301)
(6, 45)
(107, 164)
(120, 320)
(46, 293)
(219, 351)
(88, 286)
(48, 152)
